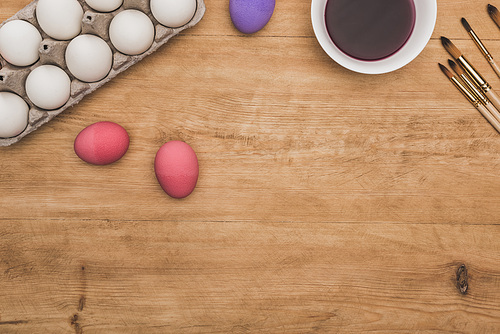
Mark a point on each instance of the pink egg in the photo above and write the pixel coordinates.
(102, 143)
(176, 168)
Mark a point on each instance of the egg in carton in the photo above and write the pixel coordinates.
(18, 83)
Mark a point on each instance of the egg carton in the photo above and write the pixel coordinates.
(52, 52)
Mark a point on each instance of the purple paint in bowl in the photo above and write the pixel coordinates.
(370, 29)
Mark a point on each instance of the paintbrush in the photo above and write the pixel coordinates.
(472, 72)
(472, 98)
(494, 14)
(481, 47)
(473, 89)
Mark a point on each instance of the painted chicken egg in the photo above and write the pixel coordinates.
(250, 16)
(176, 168)
(102, 143)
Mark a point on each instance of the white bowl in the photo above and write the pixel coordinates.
(425, 20)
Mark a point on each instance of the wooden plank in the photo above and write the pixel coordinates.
(274, 142)
(292, 18)
(160, 276)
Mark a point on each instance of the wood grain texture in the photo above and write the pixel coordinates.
(159, 277)
(328, 201)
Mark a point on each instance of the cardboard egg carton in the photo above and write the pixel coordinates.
(52, 52)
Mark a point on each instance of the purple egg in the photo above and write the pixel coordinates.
(250, 16)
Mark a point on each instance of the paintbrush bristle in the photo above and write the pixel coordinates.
(466, 25)
(494, 14)
(458, 70)
(492, 9)
(445, 71)
(450, 47)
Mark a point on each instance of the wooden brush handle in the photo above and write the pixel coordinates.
(493, 97)
(493, 111)
(495, 67)
(488, 113)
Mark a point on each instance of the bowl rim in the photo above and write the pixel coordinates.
(425, 22)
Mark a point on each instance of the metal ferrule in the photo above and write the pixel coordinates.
(465, 91)
(480, 45)
(476, 77)
(475, 91)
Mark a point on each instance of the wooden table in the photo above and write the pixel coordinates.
(328, 201)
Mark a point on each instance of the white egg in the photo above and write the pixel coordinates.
(131, 32)
(173, 13)
(104, 5)
(48, 87)
(14, 113)
(19, 43)
(89, 58)
(60, 19)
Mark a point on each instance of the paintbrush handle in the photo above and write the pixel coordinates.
(495, 67)
(489, 117)
(493, 97)
(493, 111)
